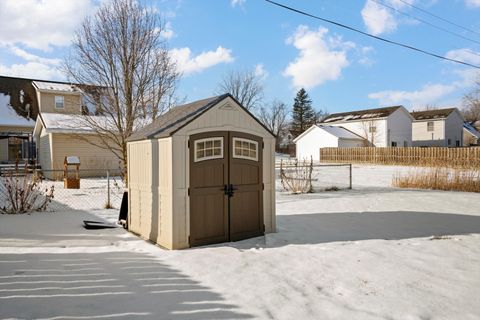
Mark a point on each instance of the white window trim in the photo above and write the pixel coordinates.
(195, 159)
(242, 156)
(63, 102)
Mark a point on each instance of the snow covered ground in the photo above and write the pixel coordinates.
(369, 253)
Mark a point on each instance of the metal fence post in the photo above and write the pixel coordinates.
(108, 190)
(350, 176)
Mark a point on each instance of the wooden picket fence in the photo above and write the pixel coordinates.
(412, 156)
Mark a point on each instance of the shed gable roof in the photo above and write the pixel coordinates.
(178, 117)
(432, 114)
(359, 115)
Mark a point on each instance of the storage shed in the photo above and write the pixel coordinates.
(308, 144)
(202, 173)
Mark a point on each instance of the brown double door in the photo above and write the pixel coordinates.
(226, 187)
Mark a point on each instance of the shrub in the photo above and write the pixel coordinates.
(295, 177)
(440, 179)
(20, 192)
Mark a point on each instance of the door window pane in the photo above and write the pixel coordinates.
(209, 148)
(245, 149)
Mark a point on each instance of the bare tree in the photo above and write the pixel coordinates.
(245, 86)
(120, 53)
(370, 132)
(274, 117)
(471, 104)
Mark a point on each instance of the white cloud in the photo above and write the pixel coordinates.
(378, 19)
(260, 71)
(472, 3)
(167, 31)
(33, 58)
(41, 24)
(32, 70)
(189, 64)
(365, 58)
(239, 3)
(320, 59)
(465, 55)
(428, 94)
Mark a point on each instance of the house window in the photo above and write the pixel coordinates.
(394, 143)
(449, 141)
(245, 149)
(59, 102)
(430, 125)
(207, 149)
(372, 129)
(457, 143)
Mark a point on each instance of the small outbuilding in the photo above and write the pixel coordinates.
(202, 173)
(308, 144)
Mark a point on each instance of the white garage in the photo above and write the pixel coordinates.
(308, 144)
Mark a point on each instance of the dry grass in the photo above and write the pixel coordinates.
(440, 179)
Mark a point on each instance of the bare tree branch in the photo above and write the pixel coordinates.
(131, 79)
(244, 86)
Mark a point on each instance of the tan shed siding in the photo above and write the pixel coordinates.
(150, 190)
(140, 187)
(3, 150)
(163, 171)
(72, 103)
(227, 116)
(91, 157)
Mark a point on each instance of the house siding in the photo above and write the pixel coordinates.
(361, 128)
(399, 129)
(423, 138)
(454, 129)
(44, 152)
(308, 146)
(72, 103)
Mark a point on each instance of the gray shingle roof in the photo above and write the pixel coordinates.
(432, 114)
(175, 119)
(361, 114)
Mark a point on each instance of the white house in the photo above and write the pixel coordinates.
(308, 144)
(381, 127)
(437, 128)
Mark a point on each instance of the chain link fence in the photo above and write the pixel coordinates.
(99, 189)
(318, 177)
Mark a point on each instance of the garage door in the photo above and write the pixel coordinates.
(226, 187)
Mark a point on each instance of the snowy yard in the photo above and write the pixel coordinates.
(369, 253)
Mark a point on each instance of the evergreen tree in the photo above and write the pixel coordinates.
(303, 114)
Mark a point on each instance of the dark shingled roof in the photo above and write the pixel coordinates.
(432, 114)
(361, 115)
(178, 117)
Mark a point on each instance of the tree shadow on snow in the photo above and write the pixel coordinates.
(118, 285)
(354, 226)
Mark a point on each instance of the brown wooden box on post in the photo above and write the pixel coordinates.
(69, 181)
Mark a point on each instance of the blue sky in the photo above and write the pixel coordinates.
(340, 70)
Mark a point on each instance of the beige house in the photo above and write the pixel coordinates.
(381, 127)
(202, 173)
(61, 135)
(437, 128)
